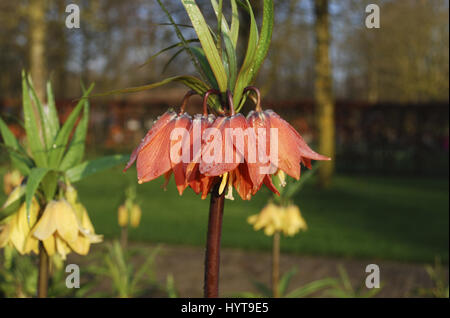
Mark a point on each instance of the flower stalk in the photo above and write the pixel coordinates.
(212, 255)
(43, 272)
(276, 264)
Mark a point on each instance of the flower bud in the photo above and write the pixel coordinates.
(122, 216)
(135, 216)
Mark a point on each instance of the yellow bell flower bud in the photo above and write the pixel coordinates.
(123, 216)
(135, 215)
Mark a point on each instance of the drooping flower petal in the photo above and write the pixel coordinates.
(182, 126)
(223, 147)
(163, 120)
(153, 159)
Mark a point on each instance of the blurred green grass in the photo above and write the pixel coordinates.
(397, 218)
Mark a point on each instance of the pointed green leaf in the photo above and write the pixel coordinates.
(190, 81)
(248, 71)
(245, 71)
(17, 154)
(206, 40)
(43, 124)
(50, 184)
(172, 58)
(219, 14)
(52, 120)
(234, 31)
(285, 280)
(263, 289)
(59, 146)
(75, 153)
(183, 40)
(33, 181)
(264, 38)
(88, 168)
(312, 287)
(201, 58)
(34, 136)
(232, 61)
(168, 49)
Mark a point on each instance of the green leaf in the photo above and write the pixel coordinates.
(232, 61)
(17, 154)
(75, 152)
(168, 49)
(257, 54)
(144, 268)
(262, 288)
(88, 168)
(219, 14)
(190, 81)
(264, 38)
(59, 145)
(43, 125)
(34, 136)
(244, 73)
(206, 40)
(52, 120)
(49, 184)
(283, 284)
(172, 58)
(33, 181)
(10, 207)
(183, 40)
(312, 287)
(201, 58)
(234, 32)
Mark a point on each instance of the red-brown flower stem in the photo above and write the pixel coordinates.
(212, 256)
(185, 100)
(205, 99)
(258, 96)
(43, 272)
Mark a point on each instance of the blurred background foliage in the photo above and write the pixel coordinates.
(406, 60)
(389, 198)
(390, 85)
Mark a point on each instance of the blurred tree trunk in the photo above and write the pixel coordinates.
(323, 91)
(36, 11)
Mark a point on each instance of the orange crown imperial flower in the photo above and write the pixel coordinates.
(240, 153)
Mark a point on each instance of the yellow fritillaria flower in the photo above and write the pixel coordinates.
(274, 218)
(135, 215)
(64, 227)
(293, 221)
(16, 229)
(270, 218)
(86, 234)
